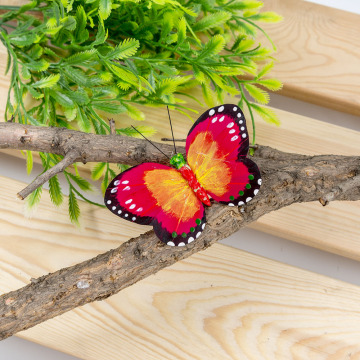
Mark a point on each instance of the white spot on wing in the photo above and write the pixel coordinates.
(243, 135)
(139, 209)
(241, 203)
(117, 182)
(230, 125)
(134, 218)
(231, 131)
(239, 115)
(242, 128)
(114, 208)
(126, 188)
(260, 181)
(128, 201)
(211, 112)
(191, 239)
(231, 204)
(234, 138)
(240, 122)
(170, 243)
(203, 226)
(181, 244)
(248, 199)
(198, 234)
(114, 190)
(119, 212)
(108, 202)
(214, 120)
(220, 109)
(222, 119)
(126, 215)
(235, 108)
(132, 206)
(125, 182)
(256, 191)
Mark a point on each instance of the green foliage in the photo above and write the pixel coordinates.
(84, 58)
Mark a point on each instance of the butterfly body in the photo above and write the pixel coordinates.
(172, 199)
(179, 162)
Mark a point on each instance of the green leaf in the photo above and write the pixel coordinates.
(244, 5)
(208, 95)
(29, 162)
(212, 48)
(36, 51)
(212, 20)
(169, 85)
(259, 95)
(125, 75)
(70, 113)
(83, 121)
(81, 57)
(101, 34)
(265, 70)
(68, 23)
(80, 96)
(34, 93)
(105, 8)
(125, 49)
(47, 82)
(81, 34)
(55, 191)
(110, 107)
(40, 65)
(267, 16)
(271, 84)
(181, 31)
(147, 131)
(62, 98)
(133, 112)
(76, 75)
(267, 114)
(74, 210)
(25, 39)
(105, 182)
(34, 198)
(98, 170)
(81, 182)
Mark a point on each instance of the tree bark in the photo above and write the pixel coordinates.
(287, 179)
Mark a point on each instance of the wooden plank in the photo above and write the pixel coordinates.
(318, 53)
(220, 304)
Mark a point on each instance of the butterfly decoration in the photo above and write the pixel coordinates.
(173, 200)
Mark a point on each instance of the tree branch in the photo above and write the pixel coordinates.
(47, 175)
(287, 179)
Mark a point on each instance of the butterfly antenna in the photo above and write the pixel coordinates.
(172, 133)
(149, 141)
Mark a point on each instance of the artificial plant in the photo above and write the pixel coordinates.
(79, 59)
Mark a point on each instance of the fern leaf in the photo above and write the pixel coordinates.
(211, 21)
(125, 49)
(259, 95)
(47, 82)
(212, 48)
(74, 210)
(55, 191)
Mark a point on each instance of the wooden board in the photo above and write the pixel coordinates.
(220, 304)
(318, 53)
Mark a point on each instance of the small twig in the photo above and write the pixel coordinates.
(342, 188)
(69, 159)
(11, 119)
(112, 126)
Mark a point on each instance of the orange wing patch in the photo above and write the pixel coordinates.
(209, 164)
(172, 193)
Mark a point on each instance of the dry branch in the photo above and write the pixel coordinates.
(287, 179)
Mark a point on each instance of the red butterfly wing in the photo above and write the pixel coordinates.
(216, 149)
(155, 194)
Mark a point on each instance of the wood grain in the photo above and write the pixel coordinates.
(318, 53)
(220, 304)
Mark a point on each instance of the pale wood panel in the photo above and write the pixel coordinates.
(318, 53)
(220, 304)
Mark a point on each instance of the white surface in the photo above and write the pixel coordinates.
(247, 239)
